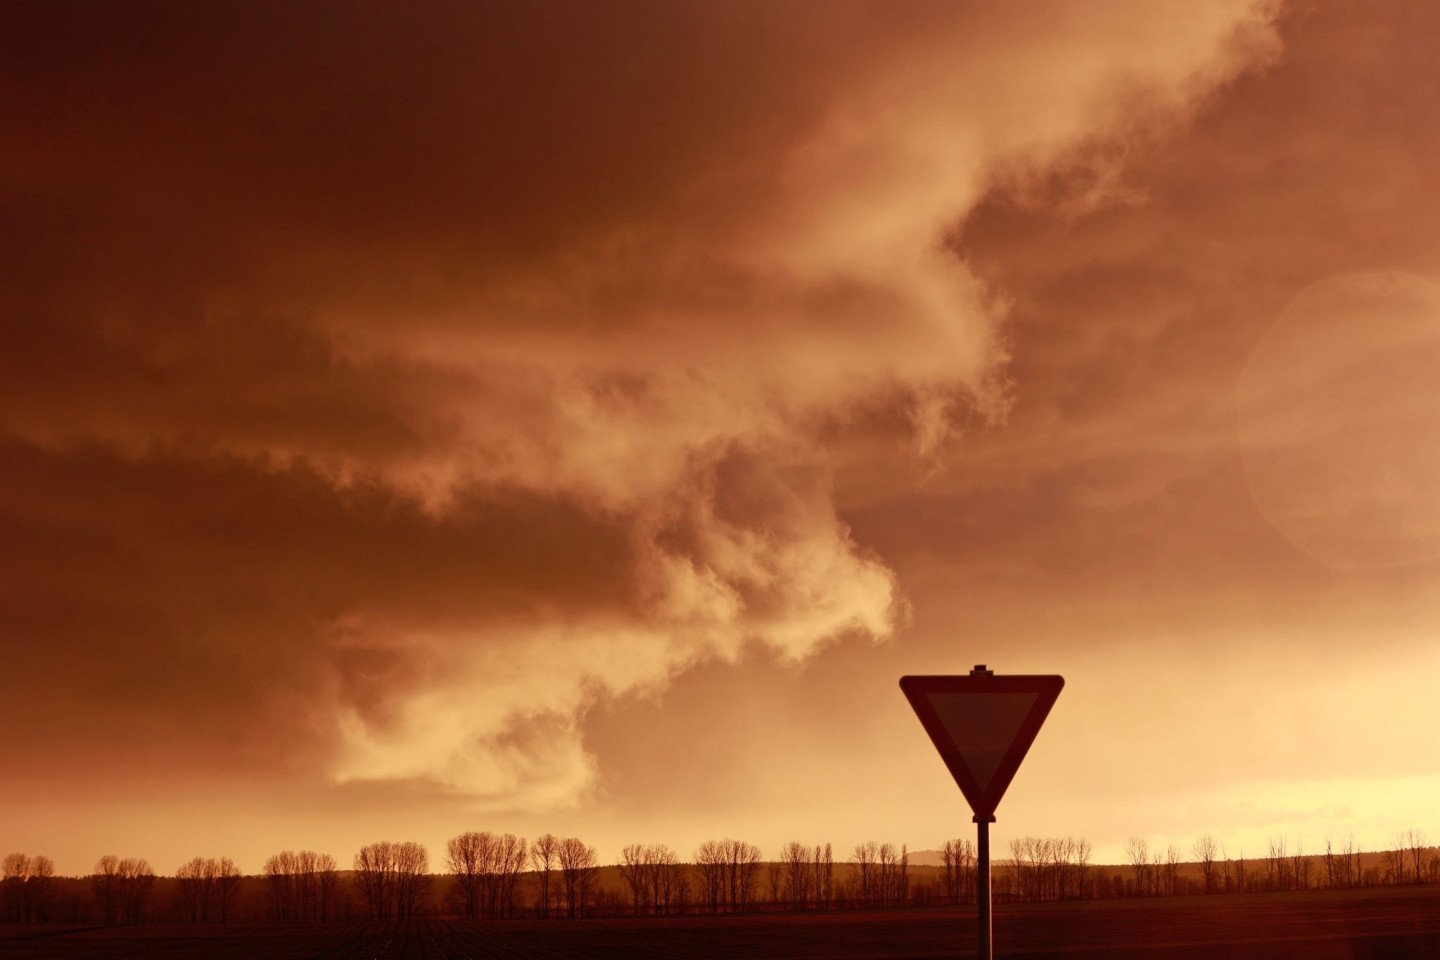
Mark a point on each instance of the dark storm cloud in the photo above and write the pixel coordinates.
(383, 386)
(139, 588)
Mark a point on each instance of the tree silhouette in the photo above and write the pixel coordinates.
(632, 867)
(799, 874)
(374, 874)
(742, 867)
(411, 865)
(654, 875)
(105, 885)
(510, 856)
(578, 867)
(544, 853)
(27, 888)
(463, 857)
(228, 880)
(300, 885)
(957, 865)
(1204, 850)
(194, 884)
(865, 872)
(1138, 853)
(136, 879)
(1414, 843)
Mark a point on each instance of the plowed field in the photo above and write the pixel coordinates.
(1348, 925)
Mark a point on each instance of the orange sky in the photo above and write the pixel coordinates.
(577, 418)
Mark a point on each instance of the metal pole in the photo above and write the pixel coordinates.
(982, 885)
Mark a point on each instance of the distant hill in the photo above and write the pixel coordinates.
(926, 858)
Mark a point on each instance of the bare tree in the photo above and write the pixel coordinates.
(1277, 865)
(121, 887)
(201, 881)
(665, 877)
(865, 871)
(888, 864)
(14, 874)
(728, 871)
(826, 863)
(710, 863)
(228, 879)
(823, 869)
(1138, 853)
(742, 866)
(654, 875)
(511, 854)
(412, 866)
(463, 858)
(41, 886)
(798, 875)
(281, 883)
(1204, 850)
(1026, 861)
(1043, 868)
(1082, 866)
(136, 879)
(28, 888)
(192, 889)
(374, 873)
(1415, 846)
(544, 853)
(487, 870)
(578, 866)
(106, 885)
(1300, 866)
(306, 880)
(632, 871)
(1172, 870)
(957, 861)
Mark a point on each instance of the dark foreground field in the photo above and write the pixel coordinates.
(1351, 924)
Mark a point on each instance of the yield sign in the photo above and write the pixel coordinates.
(982, 725)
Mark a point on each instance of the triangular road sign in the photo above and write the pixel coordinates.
(982, 724)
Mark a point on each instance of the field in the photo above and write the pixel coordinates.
(1345, 925)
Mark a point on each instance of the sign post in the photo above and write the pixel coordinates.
(983, 725)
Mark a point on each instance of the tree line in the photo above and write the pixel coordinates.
(500, 876)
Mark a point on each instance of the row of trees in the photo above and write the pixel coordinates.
(300, 886)
(487, 869)
(881, 874)
(390, 878)
(727, 871)
(1281, 868)
(502, 876)
(121, 887)
(803, 877)
(957, 871)
(203, 883)
(27, 888)
(1050, 868)
(656, 878)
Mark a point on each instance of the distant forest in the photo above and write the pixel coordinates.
(485, 876)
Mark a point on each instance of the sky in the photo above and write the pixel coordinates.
(576, 417)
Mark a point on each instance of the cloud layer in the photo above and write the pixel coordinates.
(382, 389)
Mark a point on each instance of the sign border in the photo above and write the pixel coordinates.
(1047, 688)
